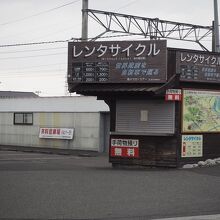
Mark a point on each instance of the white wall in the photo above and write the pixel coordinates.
(86, 135)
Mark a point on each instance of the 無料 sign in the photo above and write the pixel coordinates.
(124, 148)
(173, 95)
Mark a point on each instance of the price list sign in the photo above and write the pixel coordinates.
(117, 62)
(198, 66)
(90, 72)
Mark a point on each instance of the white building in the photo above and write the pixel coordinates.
(22, 120)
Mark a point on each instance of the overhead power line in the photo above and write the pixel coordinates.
(61, 41)
(34, 43)
(42, 55)
(42, 72)
(65, 41)
(30, 67)
(40, 13)
(72, 39)
(35, 50)
(128, 4)
(57, 41)
(36, 75)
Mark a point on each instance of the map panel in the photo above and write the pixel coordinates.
(201, 111)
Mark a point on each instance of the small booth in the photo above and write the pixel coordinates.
(164, 103)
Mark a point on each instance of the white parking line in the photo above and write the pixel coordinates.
(200, 217)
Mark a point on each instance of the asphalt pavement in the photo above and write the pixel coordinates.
(49, 186)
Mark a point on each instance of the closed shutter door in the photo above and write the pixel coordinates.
(145, 116)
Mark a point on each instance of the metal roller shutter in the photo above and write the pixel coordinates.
(145, 116)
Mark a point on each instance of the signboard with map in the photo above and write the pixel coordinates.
(195, 66)
(201, 111)
(117, 62)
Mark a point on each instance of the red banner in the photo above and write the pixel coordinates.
(173, 95)
(125, 148)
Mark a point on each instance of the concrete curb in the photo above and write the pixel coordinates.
(75, 152)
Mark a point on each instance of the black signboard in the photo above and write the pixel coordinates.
(117, 62)
(198, 66)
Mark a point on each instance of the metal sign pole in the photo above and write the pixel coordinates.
(85, 4)
(216, 27)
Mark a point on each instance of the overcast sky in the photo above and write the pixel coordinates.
(43, 67)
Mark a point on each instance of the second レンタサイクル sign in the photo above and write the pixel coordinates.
(117, 62)
(195, 66)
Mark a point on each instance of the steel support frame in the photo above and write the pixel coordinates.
(153, 28)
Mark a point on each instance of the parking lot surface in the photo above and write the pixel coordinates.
(49, 186)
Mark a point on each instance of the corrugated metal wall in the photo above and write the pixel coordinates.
(145, 116)
(86, 135)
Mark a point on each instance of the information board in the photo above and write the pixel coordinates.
(117, 62)
(201, 111)
(198, 66)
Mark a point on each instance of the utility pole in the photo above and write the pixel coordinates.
(85, 5)
(216, 27)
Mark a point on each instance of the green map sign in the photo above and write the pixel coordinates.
(201, 111)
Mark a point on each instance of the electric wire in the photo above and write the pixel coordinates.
(18, 71)
(53, 71)
(67, 29)
(8, 70)
(60, 41)
(40, 13)
(35, 50)
(44, 72)
(70, 40)
(128, 4)
(32, 56)
(34, 76)
(34, 43)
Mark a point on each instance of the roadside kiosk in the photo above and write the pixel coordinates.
(164, 103)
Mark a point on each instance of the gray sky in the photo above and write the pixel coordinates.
(43, 67)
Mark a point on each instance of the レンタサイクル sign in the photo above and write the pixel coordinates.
(192, 146)
(117, 62)
(196, 66)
